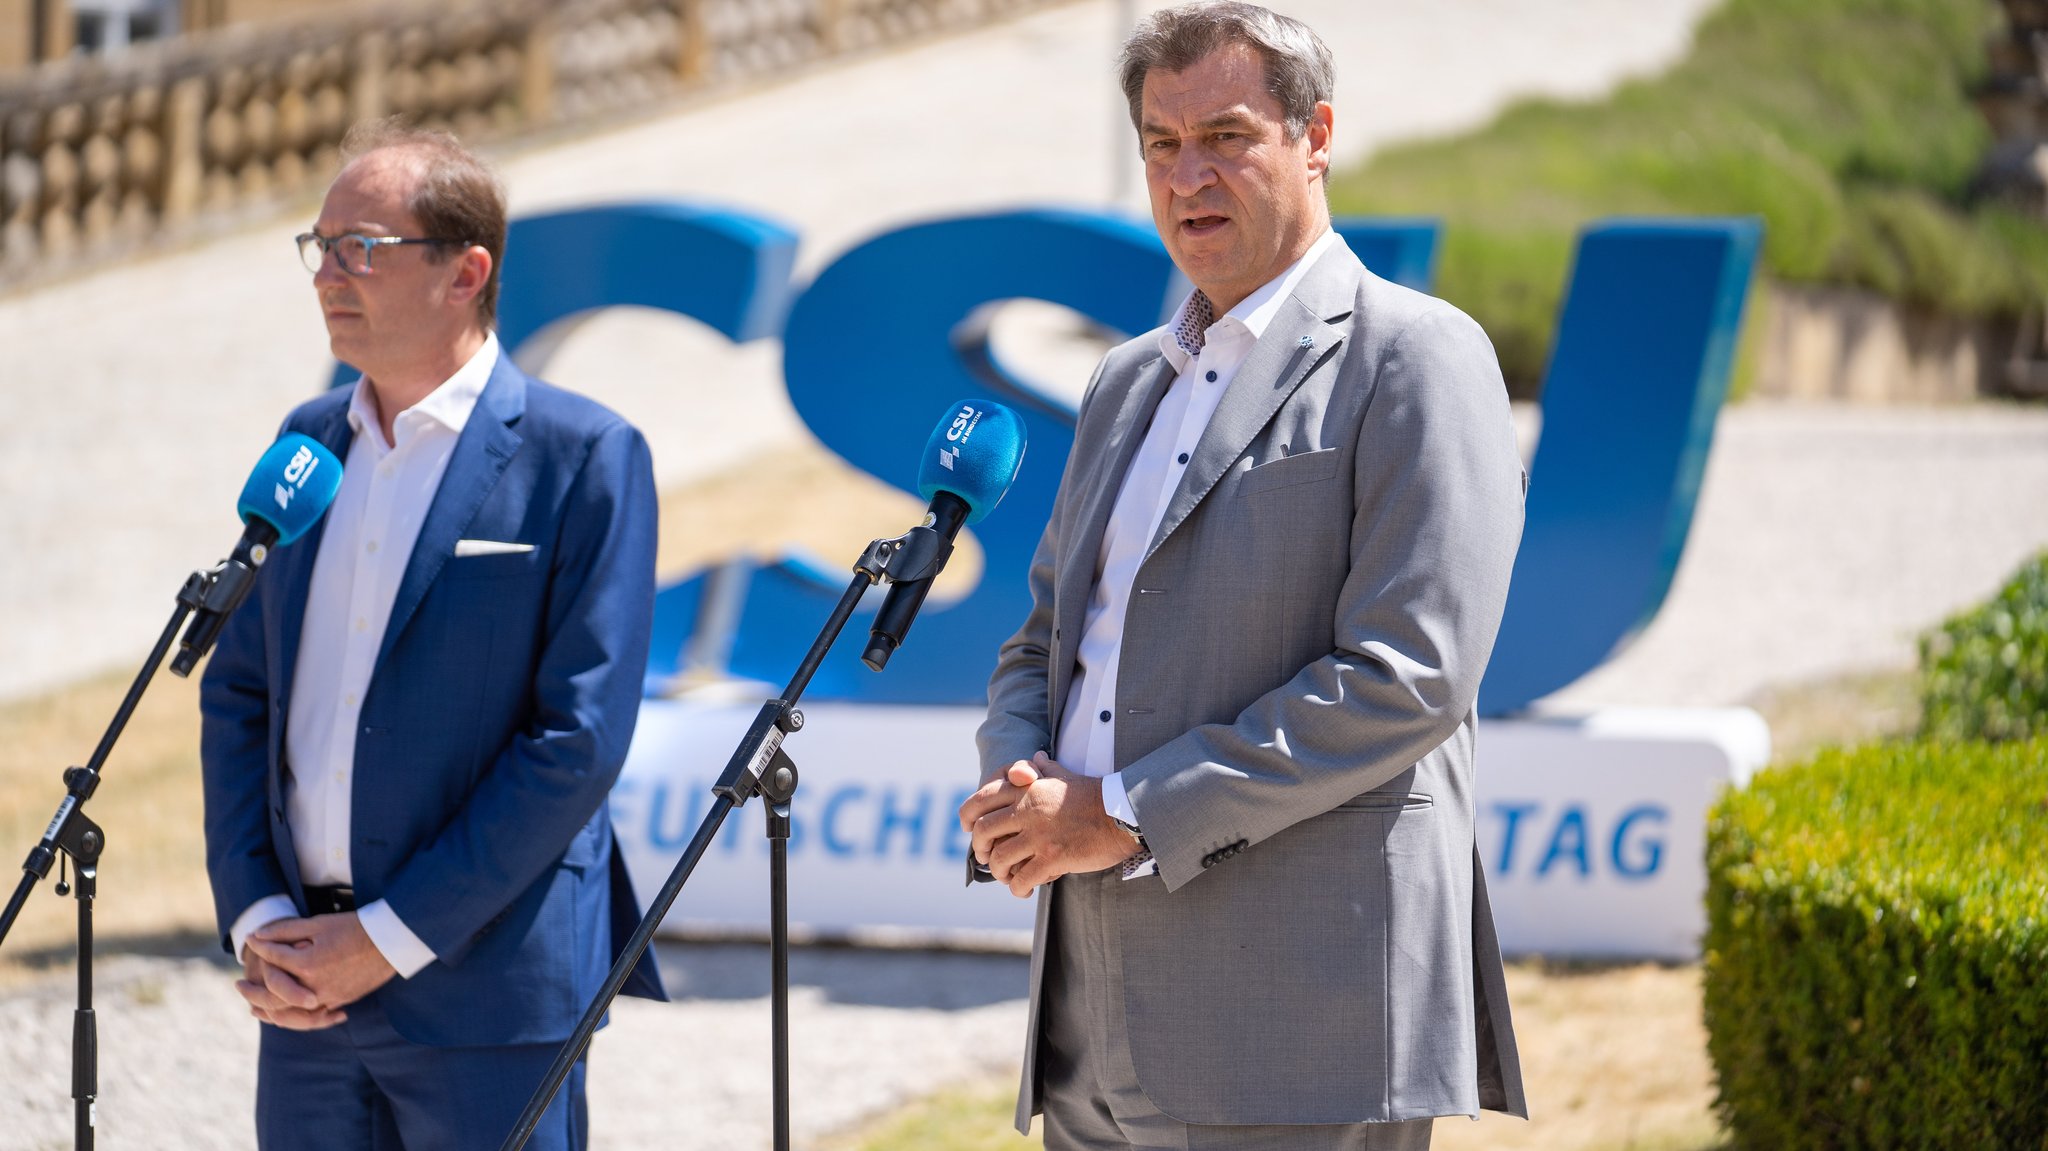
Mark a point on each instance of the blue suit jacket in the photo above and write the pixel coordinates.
(497, 716)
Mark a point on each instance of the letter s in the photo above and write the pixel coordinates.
(886, 338)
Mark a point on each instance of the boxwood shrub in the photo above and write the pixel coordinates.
(1984, 673)
(1876, 970)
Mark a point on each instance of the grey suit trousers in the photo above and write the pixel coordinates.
(1090, 1089)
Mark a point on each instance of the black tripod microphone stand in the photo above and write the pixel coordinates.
(760, 767)
(77, 838)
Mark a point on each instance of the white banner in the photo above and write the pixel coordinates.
(1591, 829)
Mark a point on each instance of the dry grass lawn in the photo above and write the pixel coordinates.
(1806, 717)
(1614, 1058)
(153, 875)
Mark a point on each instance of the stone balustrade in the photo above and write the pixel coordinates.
(102, 157)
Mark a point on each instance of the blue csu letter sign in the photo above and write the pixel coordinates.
(1587, 853)
(1639, 371)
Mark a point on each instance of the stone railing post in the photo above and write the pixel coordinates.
(832, 32)
(693, 44)
(62, 127)
(367, 98)
(142, 163)
(21, 190)
(99, 169)
(184, 163)
(537, 69)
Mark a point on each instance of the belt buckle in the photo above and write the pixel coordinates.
(330, 900)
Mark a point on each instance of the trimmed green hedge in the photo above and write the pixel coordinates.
(1984, 673)
(1876, 969)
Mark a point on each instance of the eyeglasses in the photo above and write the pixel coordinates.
(351, 250)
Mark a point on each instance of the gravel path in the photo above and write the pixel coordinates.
(869, 1032)
(1826, 538)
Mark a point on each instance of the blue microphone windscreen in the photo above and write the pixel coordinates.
(291, 487)
(974, 453)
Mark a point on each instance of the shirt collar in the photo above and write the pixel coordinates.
(1253, 314)
(449, 405)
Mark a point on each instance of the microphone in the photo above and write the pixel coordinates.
(287, 493)
(968, 464)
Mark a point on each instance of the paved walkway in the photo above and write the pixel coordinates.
(1826, 539)
(870, 1031)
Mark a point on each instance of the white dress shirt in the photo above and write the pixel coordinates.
(1087, 735)
(386, 489)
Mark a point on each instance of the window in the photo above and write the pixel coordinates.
(105, 26)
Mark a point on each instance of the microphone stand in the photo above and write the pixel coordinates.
(758, 766)
(80, 840)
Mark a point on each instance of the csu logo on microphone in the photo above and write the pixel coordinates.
(963, 424)
(960, 432)
(297, 471)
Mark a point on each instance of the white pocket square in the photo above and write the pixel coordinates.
(488, 548)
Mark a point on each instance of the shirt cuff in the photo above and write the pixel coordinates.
(1115, 802)
(266, 910)
(393, 939)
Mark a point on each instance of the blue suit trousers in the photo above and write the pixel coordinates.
(360, 1086)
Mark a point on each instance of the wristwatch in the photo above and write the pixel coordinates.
(1131, 829)
(1140, 860)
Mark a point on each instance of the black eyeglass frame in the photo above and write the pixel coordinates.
(326, 245)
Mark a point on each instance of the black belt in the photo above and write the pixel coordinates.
(330, 900)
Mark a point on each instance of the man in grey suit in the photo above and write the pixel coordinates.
(1232, 745)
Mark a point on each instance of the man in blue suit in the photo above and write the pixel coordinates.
(412, 724)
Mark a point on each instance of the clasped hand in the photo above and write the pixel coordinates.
(301, 973)
(1041, 821)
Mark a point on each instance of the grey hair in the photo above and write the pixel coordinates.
(1299, 71)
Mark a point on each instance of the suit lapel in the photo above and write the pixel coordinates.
(486, 445)
(296, 562)
(1300, 339)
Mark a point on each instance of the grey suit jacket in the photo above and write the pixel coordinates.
(1301, 654)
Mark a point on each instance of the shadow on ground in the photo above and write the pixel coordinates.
(52, 959)
(937, 980)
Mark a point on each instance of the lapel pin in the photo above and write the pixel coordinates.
(1308, 341)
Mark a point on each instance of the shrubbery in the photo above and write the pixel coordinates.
(1876, 969)
(1984, 673)
(1846, 124)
